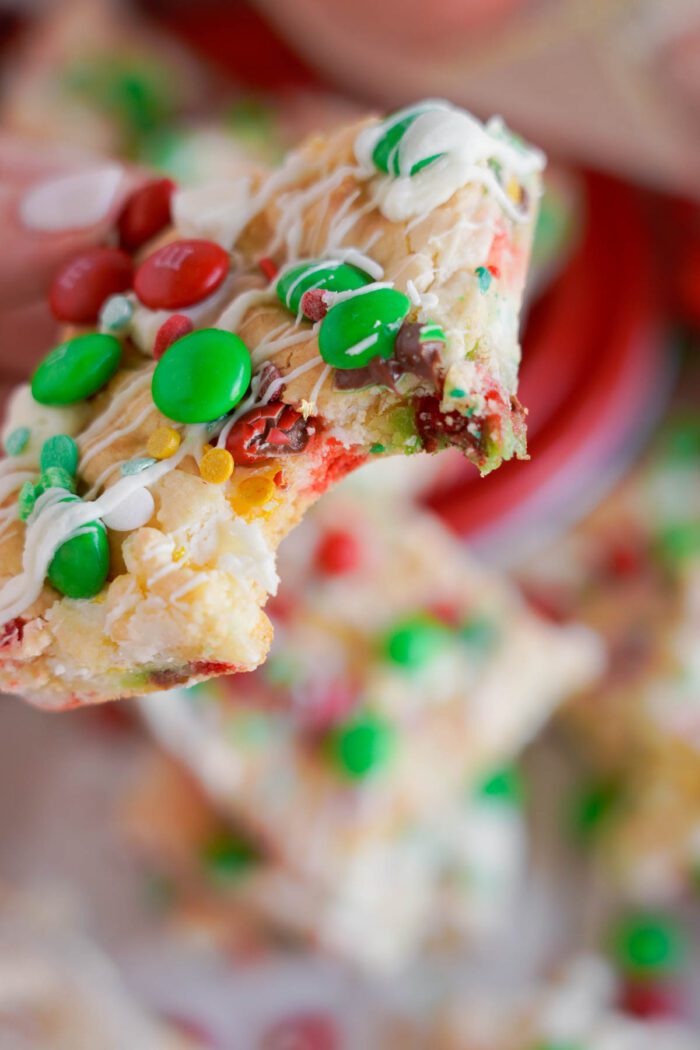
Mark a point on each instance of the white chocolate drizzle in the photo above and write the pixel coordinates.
(463, 146)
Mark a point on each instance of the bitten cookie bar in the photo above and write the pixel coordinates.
(400, 675)
(362, 299)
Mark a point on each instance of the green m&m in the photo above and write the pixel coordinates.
(201, 376)
(80, 566)
(76, 369)
(362, 745)
(227, 857)
(386, 155)
(327, 274)
(415, 641)
(648, 945)
(362, 327)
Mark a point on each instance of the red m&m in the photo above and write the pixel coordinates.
(338, 553)
(180, 274)
(81, 285)
(145, 213)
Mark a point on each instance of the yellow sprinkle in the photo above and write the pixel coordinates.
(513, 190)
(163, 443)
(256, 491)
(179, 553)
(216, 465)
(207, 447)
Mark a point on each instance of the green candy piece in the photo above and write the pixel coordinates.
(16, 441)
(201, 376)
(415, 641)
(76, 369)
(503, 785)
(56, 478)
(592, 806)
(80, 566)
(648, 945)
(361, 746)
(226, 857)
(26, 499)
(59, 451)
(318, 273)
(362, 327)
(386, 154)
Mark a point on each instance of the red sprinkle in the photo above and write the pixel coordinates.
(170, 331)
(280, 480)
(268, 267)
(313, 305)
(180, 274)
(338, 553)
(495, 271)
(145, 213)
(81, 285)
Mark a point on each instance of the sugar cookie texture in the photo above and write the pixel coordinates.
(361, 300)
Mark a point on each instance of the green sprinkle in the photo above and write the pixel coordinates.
(135, 466)
(227, 857)
(377, 448)
(485, 277)
(16, 441)
(457, 392)
(28, 496)
(59, 451)
(503, 785)
(415, 641)
(362, 745)
(648, 945)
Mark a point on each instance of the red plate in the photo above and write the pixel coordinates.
(594, 367)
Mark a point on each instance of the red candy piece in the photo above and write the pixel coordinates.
(313, 305)
(268, 267)
(145, 213)
(304, 1032)
(180, 274)
(170, 331)
(650, 1001)
(338, 553)
(266, 432)
(81, 285)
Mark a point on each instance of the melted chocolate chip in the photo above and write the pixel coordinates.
(412, 356)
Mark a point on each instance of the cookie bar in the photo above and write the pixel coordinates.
(360, 300)
(400, 675)
(632, 572)
(60, 991)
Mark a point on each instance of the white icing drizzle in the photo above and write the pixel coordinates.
(357, 258)
(326, 264)
(332, 298)
(232, 316)
(464, 146)
(364, 344)
(292, 206)
(140, 382)
(120, 432)
(313, 396)
(52, 522)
